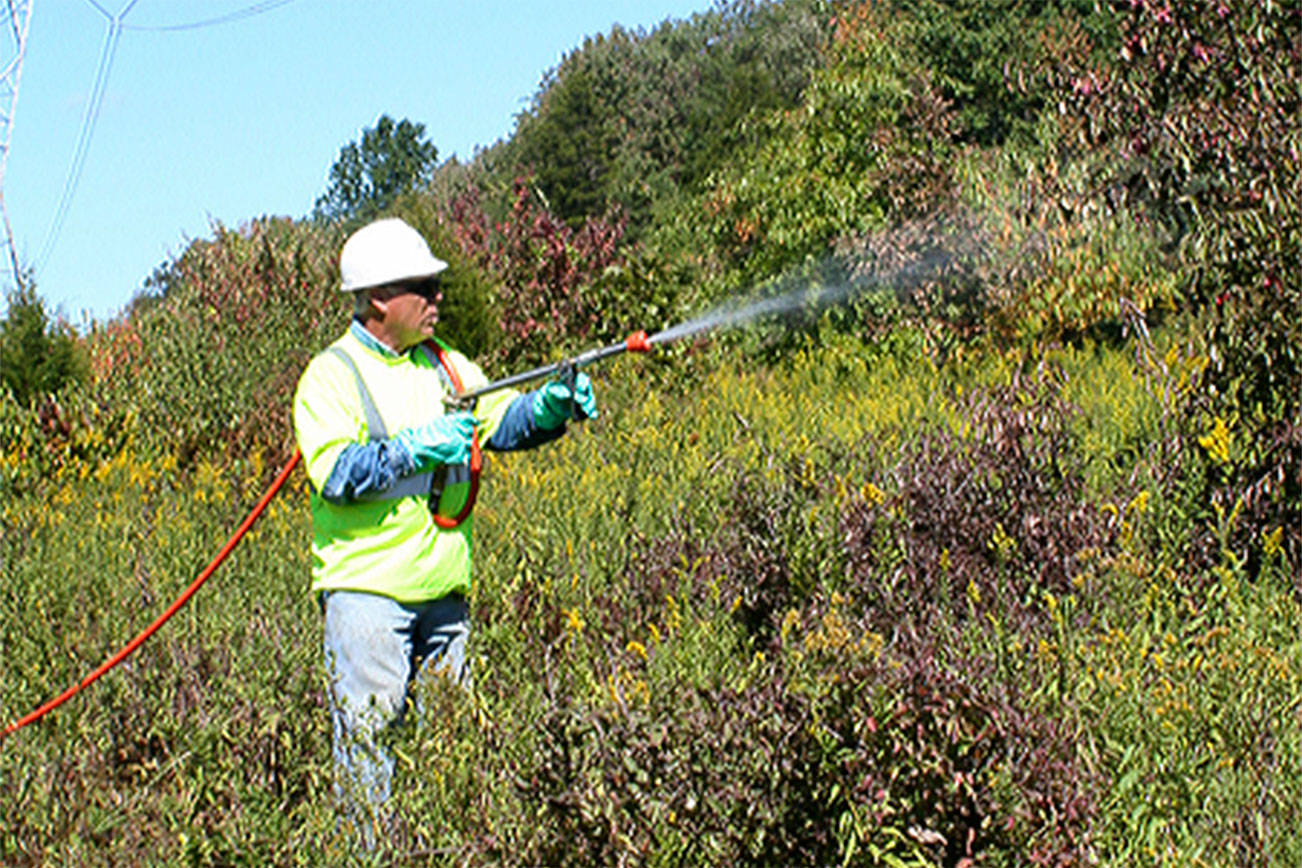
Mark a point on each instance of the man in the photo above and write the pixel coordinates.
(393, 475)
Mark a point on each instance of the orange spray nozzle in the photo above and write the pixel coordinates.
(638, 342)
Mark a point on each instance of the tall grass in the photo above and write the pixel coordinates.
(854, 608)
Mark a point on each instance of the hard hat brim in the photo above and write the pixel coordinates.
(435, 268)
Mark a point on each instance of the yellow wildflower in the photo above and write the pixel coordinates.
(1001, 543)
(873, 494)
(1272, 540)
(1217, 441)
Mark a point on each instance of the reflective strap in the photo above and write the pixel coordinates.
(457, 473)
(374, 424)
(407, 486)
(429, 484)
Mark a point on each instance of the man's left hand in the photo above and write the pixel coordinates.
(555, 403)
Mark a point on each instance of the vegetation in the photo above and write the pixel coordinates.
(1216, 164)
(996, 563)
(37, 356)
(634, 120)
(390, 159)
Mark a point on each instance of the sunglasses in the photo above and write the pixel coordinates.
(427, 288)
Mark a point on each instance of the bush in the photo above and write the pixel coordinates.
(555, 287)
(1196, 123)
(211, 357)
(37, 357)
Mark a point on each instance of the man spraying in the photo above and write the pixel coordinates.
(393, 474)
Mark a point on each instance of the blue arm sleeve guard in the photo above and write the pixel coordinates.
(370, 468)
(366, 468)
(518, 430)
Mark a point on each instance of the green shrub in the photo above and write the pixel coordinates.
(1196, 124)
(37, 357)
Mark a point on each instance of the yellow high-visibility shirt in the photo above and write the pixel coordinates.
(387, 546)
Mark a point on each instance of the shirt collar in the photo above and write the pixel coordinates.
(370, 341)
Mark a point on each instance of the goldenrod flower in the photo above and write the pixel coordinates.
(1218, 441)
(1272, 540)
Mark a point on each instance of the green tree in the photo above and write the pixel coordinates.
(37, 355)
(391, 158)
(632, 118)
(870, 145)
(975, 50)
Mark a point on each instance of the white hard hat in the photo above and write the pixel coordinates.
(385, 251)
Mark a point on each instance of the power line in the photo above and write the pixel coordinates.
(101, 9)
(116, 24)
(246, 12)
(100, 85)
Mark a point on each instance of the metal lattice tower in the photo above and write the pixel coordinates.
(20, 16)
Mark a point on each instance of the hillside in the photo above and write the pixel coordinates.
(986, 555)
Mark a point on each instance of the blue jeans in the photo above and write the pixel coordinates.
(375, 647)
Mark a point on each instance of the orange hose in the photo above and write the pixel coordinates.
(476, 465)
(476, 455)
(163, 618)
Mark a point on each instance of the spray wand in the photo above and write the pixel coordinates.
(638, 342)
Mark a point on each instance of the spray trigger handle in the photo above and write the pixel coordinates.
(568, 373)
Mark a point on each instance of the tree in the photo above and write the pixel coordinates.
(37, 356)
(869, 146)
(1196, 123)
(389, 160)
(630, 119)
(975, 48)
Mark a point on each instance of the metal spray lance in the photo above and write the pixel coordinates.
(638, 342)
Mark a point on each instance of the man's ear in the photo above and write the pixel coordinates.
(379, 302)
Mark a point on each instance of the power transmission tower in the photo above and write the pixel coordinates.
(20, 15)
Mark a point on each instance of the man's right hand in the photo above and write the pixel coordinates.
(445, 440)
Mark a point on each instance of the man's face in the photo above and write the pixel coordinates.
(411, 310)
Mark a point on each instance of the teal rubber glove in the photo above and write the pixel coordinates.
(554, 404)
(445, 440)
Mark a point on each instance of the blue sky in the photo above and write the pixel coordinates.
(240, 119)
